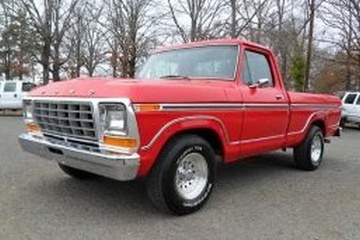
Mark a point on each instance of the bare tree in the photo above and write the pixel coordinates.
(312, 9)
(6, 52)
(16, 38)
(74, 40)
(94, 39)
(243, 15)
(62, 21)
(343, 18)
(42, 23)
(200, 16)
(131, 25)
(51, 21)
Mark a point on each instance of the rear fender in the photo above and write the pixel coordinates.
(296, 137)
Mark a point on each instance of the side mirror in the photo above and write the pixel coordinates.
(261, 82)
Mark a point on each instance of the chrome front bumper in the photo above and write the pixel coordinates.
(112, 165)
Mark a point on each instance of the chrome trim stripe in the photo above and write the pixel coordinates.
(205, 106)
(236, 106)
(319, 106)
(262, 139)
(266, 106)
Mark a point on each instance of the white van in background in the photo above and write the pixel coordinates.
(351, 108)
(12, 93)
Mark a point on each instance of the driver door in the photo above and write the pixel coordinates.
(266, 110)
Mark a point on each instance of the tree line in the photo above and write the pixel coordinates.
(316, 41)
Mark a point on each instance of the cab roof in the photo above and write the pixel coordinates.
(212, 43)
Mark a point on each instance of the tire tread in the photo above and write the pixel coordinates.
(301, 152)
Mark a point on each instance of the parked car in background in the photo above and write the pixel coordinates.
(351, 108)
(12, 93)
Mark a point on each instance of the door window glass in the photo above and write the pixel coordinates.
(358, 101)
(26, 87)
(10, 87)
(350, 99)
(255, 67)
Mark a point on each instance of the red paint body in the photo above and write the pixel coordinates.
(257, 128)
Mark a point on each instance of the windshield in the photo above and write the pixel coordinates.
(217, 62)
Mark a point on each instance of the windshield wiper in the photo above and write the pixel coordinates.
(175, 76)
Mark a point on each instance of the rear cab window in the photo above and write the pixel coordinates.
(256, 67)
(350, 98)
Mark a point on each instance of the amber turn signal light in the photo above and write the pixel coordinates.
(32, 127)
(120, 142)
(147, 107)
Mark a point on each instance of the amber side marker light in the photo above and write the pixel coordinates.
(147, 107)
(120, 142)
(32, 127)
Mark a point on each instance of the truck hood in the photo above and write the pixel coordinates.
(137, 90)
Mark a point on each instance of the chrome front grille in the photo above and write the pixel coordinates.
(70, 119)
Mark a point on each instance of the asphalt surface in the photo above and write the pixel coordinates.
(260, 198)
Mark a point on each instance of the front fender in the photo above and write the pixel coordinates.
(150, 150)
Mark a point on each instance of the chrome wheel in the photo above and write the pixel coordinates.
(316, 149)
(191, 176)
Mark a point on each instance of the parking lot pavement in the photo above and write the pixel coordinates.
(260, 198)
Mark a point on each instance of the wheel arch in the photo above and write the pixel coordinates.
(321, 124)
(208, 134)
(211, 130)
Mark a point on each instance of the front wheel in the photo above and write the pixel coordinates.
(184, 176)
(308, 155)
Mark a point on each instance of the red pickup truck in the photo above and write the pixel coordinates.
(191, 107)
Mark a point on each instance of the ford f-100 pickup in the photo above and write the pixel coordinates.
(190, 107)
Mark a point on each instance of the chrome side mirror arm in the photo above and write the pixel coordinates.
(261, 82)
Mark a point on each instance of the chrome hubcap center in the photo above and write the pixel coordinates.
(316, 149)
(191, 176)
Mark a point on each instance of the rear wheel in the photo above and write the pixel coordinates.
(77, 173)
(308, 155)
(184, 177)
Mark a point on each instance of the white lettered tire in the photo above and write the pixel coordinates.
(184, 176)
